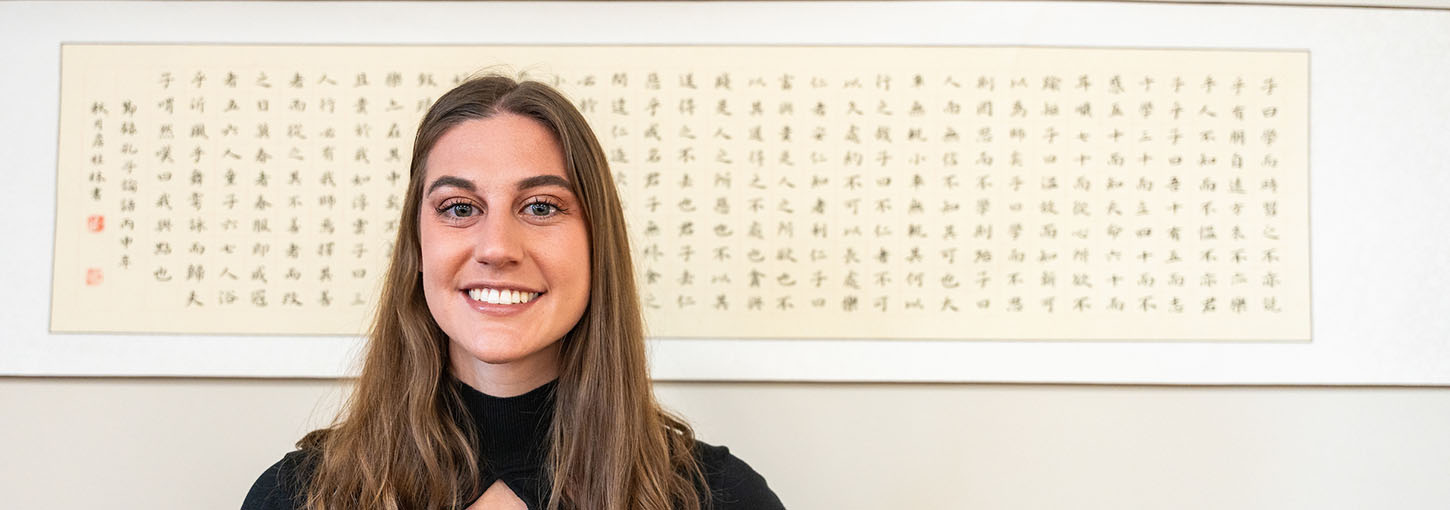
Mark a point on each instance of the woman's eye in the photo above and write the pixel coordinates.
(460, 210)
(541, 209)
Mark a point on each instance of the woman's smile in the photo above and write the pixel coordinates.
(505, 297)
(500, 303)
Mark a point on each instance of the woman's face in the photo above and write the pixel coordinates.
(505, 251)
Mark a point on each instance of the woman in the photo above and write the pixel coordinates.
(506, 366)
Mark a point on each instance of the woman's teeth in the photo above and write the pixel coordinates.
(501, 297)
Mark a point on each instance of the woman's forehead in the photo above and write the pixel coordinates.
(500, 151)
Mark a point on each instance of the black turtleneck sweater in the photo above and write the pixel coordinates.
(513, 439)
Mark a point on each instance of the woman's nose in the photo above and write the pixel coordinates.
(499, 242)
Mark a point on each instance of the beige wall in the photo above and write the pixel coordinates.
(198, 443)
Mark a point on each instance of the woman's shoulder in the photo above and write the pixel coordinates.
(283, 485)
(733, 483)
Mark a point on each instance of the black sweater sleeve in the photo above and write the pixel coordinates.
(733, 484)
(282, 486)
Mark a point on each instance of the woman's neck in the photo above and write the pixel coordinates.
(507, 379)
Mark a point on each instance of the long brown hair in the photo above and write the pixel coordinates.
(397, 445)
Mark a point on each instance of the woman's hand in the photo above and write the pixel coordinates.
(498, 497)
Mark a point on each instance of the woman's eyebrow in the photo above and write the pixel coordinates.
(544, 180)
(449, 180)
(531, 182)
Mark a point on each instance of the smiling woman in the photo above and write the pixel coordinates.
(500, 222)
(506, 365)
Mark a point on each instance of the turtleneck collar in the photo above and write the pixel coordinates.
(513, 434)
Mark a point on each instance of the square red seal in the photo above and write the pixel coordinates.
(93, 276)
(96, 223)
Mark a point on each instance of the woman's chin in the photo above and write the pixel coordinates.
(493, 356)
(495, 352)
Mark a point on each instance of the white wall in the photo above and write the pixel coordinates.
(125, 444)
